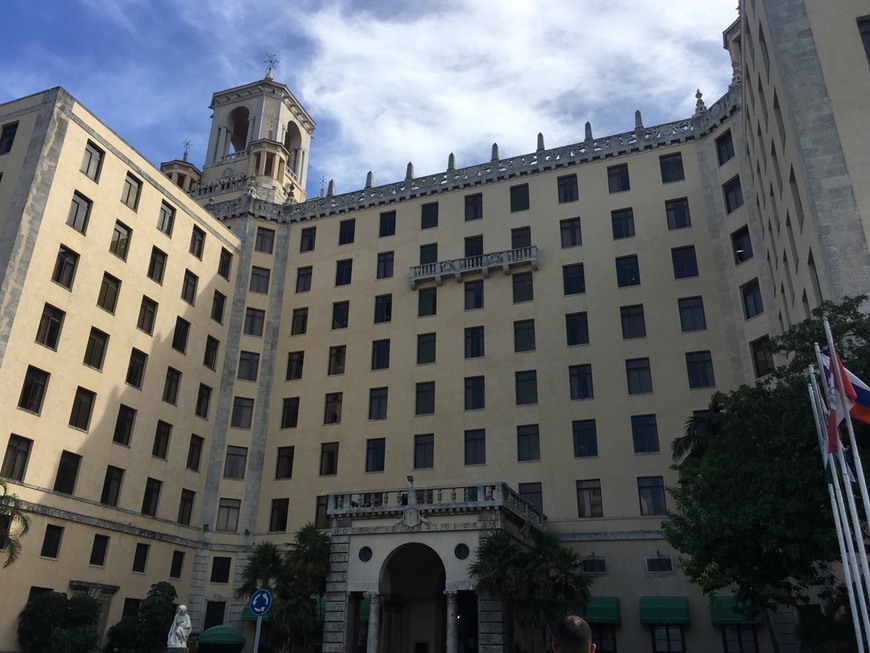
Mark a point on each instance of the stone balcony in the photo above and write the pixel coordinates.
(484, 263)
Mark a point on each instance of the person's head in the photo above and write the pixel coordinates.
(572, 635)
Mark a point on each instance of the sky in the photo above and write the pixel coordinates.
(387, 82)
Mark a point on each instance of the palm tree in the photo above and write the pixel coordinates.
(11, 513)
(264, 569)
(698, 430)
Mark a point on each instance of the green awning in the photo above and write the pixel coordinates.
(722, 612)
(221, 635)
(664, 610)
(602, 610)
(247, 615)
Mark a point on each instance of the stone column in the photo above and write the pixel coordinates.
(452, 633)
(250, 130)
(374, 621)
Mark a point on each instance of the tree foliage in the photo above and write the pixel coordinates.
(14, 522)
(146, 631)
(752, 509)
(52, 621)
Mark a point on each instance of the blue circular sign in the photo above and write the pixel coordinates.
(260, 602)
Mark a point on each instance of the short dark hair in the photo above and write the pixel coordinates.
(572, 635)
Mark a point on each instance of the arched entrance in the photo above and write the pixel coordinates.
(413, 601)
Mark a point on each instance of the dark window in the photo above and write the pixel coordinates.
(692, 314)
(523, 290)
(140, 557)
(188, 287)
(290, 413)
(651, 492)
(570, 232)
(725, 147)
(585, 436)
(424, 451)
(622, 223)
(473, 207)
(475, 447)
(528, 442)
(16, 457)
(424, 401)
(387, 225)
(617, 178)
(672, 167)
(147, 315)
(83, 405)
(243, 412)
(340, 313)
(375, 454)
(678, 213)
(136, 368)
(299, 323)
(638, 375)
(33, 389)
(321, 518)
(177, 564)
(577, 328)
(428, 253)
(425, 348)
(303, 279)
(699, 365)
(210, 354)
(307, 239)
(685, 262)
(278, 515)
(157, 265)
(337, 356)
(120, 243)
(519, 198)
(220, 569)
(124, 425)
(385, 265)
(131, 191)
(179, 336)
(194, 452)
(161, 439)
(98, 550)
(295, 362)
(346, 231)
(751, 294)
(343, 272)
(526, 386)
(383, 308)
(645, 433)
(567, 188)
(475, 393)
(589, 503)
(53, 536)
(329, 458)
(166, 219)
(254, 320)
(740, 638)
(151, 497)
(228, 515)
(627, 271)
(378, 403)
(532, 494)
(225, 263)
(108, 295)
(259, 280)
(474, 342)
(521, 237)
(524, 335)
(65, 267)
(741, 244)
(7, 137)
(112, 486)
(426, 302)
(332, 408)
(92, 160)
(197, 242)
(48, 331)
(573, 279)
(218, 303)
(599, 566)
(762, 357)
(249, 365)
(284, 462)
(473, 295)
(236, 461)
(429, 216)
(580, 381)
(733, 195)
(473, 246)
(79, 213)
(185, 506)
(203, 399)
(380, 354)
(265, 240)
(633, 323)
(171, 385)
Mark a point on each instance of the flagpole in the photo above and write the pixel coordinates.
(847, 557)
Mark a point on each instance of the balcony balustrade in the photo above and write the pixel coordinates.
(458, 267)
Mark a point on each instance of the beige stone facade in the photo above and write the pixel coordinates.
(200, 360)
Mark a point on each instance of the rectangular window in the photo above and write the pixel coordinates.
(678, 213)
(33, 389)
(147, 315)
(67, 472)
(92, 161)
(228, 515)
(585, 437)
(194, 452)
(53, 534)
(526, 387)
(425, 348)
(589, 503)
(16, 457)
(254, 321)
(725, 148)
(524, 335)
(299, 322)
(179, 336)
(329, 459)
(532, 494)
(378, 403)
(473, 295)
(383, 308)
(99, 548)
(131, 192)
(83, 405)
(265, 240)
(321, 517)
(617, 178)
(627, 271)
(307, 239)
(166, 218)
(188, 287)
(428, 253)
(157, 265)
(295, 363)
(567, 189)
(375, 454)
(346, 231)
(124, 425)
(259, 280)
(303, 279)
(750, 292)
(203, 399)
(570, 233)
(732, 194)
(387, 226)
(685, 262)
(573, 279)
(249, 365)
(741, 245)
(672, 167)
(290, 413)
(337, 356)
(7, 137)
(48, 331)
(429, 216)
(692, 316)
(284, 462)
(380, 354)
(577, 328)
(473, 207)
(197, 242)
(528, 442)
(64, 271)
(762, 357)
(519, 198)
(332, 408)
(473, 246)
(343, 272)
(136, 368)
(210, 355)
(699, 365)
(107, 298)
(475, 447)
(79, 213)
(622, 223)
(185, 506)
(521, 237)
(218, 303)
(161, 439)
(424, 399)
(424, 451)
(171, 386)
(523, 290)
(651, 492)
(236, 460)
(633, 323)
(120, 243)
(385, 265)
(243, 413)
(427, 302)
(474, 342)
(638, 376)
(177, 565)
(278, 515)
(151, 498)
(475, 393)
(580, 381)
(340, 314)
(645, 433)
(225, 263)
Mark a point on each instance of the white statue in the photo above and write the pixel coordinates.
(180, 629)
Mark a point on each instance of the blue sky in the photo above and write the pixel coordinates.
(387, 82)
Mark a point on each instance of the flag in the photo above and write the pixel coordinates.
(857, 392)
(833, 422)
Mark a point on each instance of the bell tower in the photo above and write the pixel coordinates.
(259, 142)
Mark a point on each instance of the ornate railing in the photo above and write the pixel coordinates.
(483, 263)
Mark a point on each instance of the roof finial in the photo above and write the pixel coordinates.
(700, 107)
(271, 62)
(186, 142)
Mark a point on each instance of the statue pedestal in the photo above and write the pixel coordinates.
(175, 649)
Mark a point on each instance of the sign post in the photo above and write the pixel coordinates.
(260, 602)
